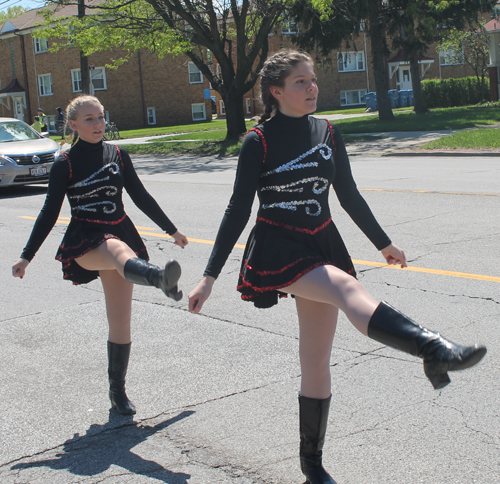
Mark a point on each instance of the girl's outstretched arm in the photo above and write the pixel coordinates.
(200, 293)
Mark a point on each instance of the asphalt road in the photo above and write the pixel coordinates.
(216, 393)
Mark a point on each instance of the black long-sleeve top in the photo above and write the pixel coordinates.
(71, 176)
(266, 166)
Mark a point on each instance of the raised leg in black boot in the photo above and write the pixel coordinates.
(313, 423)
(141, 272)
(118, 356)
(394, 329)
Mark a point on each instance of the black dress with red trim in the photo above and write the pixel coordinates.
(93, 176)
(291, 164)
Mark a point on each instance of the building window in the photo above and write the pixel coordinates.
(199, 113)
(151, 115)
(195, 76)
(348, 98)
(98, 78)
(41, 45)
(451, 57)
(289, 27)
(45, 84)
(222, 108)
(76, 79)
(248, 107)
(351, 61)
(51, 121)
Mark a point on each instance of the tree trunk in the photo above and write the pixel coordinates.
(377, 35)
(418, 97)
(84, 61)
(235, 115)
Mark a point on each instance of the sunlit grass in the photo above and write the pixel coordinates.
(473, 139)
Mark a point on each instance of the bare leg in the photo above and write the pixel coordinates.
(110, 255)
(118, 294)
(317, 324)
(330, 285)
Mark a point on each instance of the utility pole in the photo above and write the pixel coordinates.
(84, 61)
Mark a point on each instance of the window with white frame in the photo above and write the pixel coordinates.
(248, 106)
(45, 84)
(351, 61)
(98, 78)
(76, 80)
(151, 115)
(199, 112)
(41, 45)
(451, 57)
(289, 27)
(222, 108)
(352, 97)
(195, 76)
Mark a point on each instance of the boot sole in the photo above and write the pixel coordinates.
(437, 373)
(172, 275)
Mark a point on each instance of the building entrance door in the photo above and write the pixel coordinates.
(404, 75)
(18, 108)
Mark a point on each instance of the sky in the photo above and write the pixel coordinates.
(5, 4)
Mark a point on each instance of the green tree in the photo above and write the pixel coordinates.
(414, 25)
(327, 25)
(470, 47)
(234, 33)
(12, 12)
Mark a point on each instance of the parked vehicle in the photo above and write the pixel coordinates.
(25, 155)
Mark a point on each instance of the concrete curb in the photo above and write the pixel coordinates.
(447, 153)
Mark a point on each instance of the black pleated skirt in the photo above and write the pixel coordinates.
(277, 255)
(83, 236)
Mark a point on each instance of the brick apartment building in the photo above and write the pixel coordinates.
(147, 90)
(143, 91)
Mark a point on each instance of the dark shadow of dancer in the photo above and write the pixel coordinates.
(103, 446)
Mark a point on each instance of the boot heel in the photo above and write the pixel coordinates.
(438, 380)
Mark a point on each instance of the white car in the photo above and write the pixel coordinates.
(25, 155)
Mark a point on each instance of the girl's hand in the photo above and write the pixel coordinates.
(180, 239)
(394, 255)
(200, 293)
(19, 267)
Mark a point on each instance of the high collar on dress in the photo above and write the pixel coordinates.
(291, 121)
(86, 146)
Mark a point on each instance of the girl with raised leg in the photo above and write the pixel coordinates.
(290, 160)
(101, 240)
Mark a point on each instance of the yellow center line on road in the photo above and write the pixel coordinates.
(465, 275)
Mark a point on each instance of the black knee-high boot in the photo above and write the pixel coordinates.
(313, 423)
(392, 328)
(118, 356)
(141, 272)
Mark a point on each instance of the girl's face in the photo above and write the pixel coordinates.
(90, 123)
(299, 95)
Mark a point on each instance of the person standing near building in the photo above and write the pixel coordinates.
(60, 122)
(291, 159)
(36, 124)
(101, 241)
(44, 123)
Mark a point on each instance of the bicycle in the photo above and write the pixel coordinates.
(111, 132)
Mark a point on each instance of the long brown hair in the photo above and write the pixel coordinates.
(274, 72)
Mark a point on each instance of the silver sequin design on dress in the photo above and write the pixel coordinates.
(320, 184)
(107, 205)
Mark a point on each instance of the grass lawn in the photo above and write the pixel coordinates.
(473, 139)
(211, 134)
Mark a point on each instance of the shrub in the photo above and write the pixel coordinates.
(447, 93)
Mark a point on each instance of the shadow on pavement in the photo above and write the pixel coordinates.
(181, 164)
(22, 191)
(106, 445)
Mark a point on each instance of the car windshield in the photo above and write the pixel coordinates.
(16, 131)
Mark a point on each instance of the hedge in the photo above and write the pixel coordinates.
(446, 93)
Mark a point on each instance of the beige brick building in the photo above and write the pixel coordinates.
(147, 90)
(143, 91)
